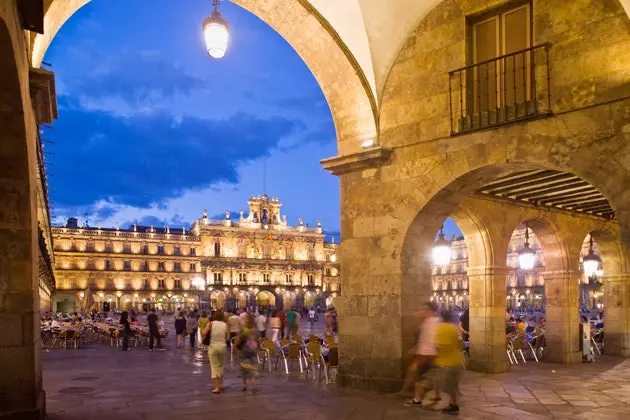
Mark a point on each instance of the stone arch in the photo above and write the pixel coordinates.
(265, 298)
(345, 86)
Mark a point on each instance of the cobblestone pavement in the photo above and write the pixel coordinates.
(98, 382)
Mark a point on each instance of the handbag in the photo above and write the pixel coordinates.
(206, 338)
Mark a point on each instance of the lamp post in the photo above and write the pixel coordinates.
(441, 249)
(526, 256)
(216, 33)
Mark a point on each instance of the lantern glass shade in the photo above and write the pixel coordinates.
(216, 35)
(526, 258)
(441, 251)
(590, 263)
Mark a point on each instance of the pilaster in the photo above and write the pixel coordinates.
(562, 331)
(487, 319)
(617, 315)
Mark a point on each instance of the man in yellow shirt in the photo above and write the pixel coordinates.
(448, 363)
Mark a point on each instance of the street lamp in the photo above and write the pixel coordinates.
(591, 262)
(441, 249)
(526, 256)
(216, 33)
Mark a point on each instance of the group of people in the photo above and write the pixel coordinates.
(437, 362)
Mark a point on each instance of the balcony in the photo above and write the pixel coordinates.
(510, 88)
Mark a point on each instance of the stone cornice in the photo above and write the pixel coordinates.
(369, 158)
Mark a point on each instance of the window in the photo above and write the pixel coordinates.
(503, 82)
(147, 285)
(217, 249)
(146, 266)
(242, 251)
(266, 250)
(288, 278)
(127, 265)
(161, 284)
(193, 267)
(127, 249)
(177, 250)
(218, 278)
(160, 249)
(289, 253)
(242, 277)
(144, 249)
(161, 266)
(193, 252)
(311, 280)
(108, 265)
(266, 278)
(327, 272)
(177, 267)
(90, 247)
(178, 284)
(109, 248)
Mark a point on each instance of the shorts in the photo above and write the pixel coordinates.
(447, 379)
(423, 370)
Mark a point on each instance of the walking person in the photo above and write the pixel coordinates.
(201, 324)
(447, 370)
(217, 330)
(283, 321)
(291, 323)
(261, 325)
(192, 328)
(180, 329)
(328, 322)
(126, 329)
(275, 325)
(247, 347)
(154, 331)
(234, 325)
(311, 316)
(426, 351)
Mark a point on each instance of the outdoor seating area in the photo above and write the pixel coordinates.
(316, 356)
(68, 334)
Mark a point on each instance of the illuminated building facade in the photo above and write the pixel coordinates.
(256, 260)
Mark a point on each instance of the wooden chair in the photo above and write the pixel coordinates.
(315, 359)
(268, 348)
(298, 339)
(294, 352)
(69, 336)
(329, 340)
(333, 363)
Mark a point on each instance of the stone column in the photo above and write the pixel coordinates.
(562, 331)
(487, 319)
(617, 315)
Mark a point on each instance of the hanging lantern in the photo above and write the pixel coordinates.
(216, 33)
(441, 249)
(591, 262)
(526, 256)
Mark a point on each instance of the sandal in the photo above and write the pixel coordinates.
(216, 391)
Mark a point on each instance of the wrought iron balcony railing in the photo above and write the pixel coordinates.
(502, 90)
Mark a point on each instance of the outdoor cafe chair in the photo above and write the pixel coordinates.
(294, 352)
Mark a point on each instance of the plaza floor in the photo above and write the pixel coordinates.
(98, 382)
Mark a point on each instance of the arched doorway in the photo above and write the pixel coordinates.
(309, 299)
(217, 299)
(265, 299)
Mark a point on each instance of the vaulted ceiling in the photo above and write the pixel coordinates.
(559, 190)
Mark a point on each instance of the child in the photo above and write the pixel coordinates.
(247, 347)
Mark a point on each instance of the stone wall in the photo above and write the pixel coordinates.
(391, 213)
(21, 394)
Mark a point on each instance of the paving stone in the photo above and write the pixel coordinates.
(96, 382)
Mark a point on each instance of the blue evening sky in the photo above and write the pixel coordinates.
(153, 130)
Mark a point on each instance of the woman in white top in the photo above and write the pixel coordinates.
(275, 324)
(219, 335)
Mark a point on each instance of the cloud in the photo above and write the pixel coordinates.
(145, 159)
(132, 82)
